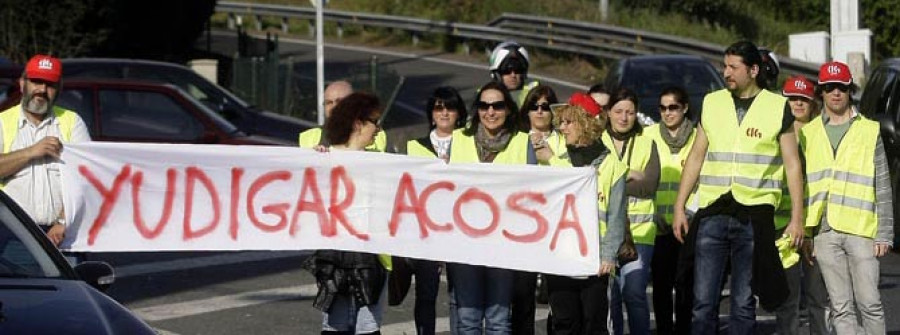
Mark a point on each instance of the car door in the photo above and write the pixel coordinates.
(147, 116)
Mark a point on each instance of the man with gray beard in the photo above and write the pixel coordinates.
(32, 136)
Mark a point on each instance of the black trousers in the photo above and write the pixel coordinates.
(579, 306)
(664, 266)
(427, 281)
(523, 303)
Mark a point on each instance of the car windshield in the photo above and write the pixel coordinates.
(649, 78)
(21, 255)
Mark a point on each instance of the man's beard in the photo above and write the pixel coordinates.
(37, 106)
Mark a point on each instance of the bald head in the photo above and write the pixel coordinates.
(334, 92)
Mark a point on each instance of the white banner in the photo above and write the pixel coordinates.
(169, 197)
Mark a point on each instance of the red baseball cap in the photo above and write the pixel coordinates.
(799, 86)
(44, 67)
(587, 103)
(835, 72)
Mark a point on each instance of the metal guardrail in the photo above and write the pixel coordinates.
(592, 39)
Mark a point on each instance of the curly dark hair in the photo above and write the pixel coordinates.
(359, 106)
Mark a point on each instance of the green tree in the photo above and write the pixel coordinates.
(883, 18)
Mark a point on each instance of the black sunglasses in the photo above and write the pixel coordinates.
(831, 86)
(496, 105)
(439, 107)
(671, 108)
(538, 107)
(512, 69)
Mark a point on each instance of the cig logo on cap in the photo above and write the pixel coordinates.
(835, 72)
(43, 67)
(798, 86)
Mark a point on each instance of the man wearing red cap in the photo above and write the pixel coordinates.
(803, 276)
(32, 137)
(850, 202)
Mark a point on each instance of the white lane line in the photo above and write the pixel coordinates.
(199, 262)
(202, 306)
(163, 332)
(416, 56)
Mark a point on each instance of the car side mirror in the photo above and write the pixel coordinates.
(99, 275)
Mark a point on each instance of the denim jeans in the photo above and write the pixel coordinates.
(483, 294)
(851, 273)
(630, 286)
(344, 315)
(718, 237)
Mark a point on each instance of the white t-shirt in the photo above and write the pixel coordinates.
(37, 188)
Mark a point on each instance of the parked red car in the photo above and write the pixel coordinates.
(131, 111)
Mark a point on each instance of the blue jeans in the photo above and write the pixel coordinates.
(482, 294)
(630, 285)
(718, 237)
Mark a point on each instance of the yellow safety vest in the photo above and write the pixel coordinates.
(10, 120)
(557, 143)
(416, 149)
(742, 159)
(310, 138)
(842, 184)
(464, 150)
(670, 166)
(609, 171)
(640, 210)
(10, 125)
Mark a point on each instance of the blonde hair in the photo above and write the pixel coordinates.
(591, 127)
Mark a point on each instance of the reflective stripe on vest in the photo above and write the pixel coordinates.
(464, 150)
(640, 210)
(842, 184)
(670, 166)
(745, 158)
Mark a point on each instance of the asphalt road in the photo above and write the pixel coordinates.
(267, 292)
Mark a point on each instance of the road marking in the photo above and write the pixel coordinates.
(200, 262)
(219, 303)
(415, 56)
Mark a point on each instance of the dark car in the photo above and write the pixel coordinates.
(647, 76)
(881, 102)
(128, 111)
(9, 84)
(248, 118)
(41, 294)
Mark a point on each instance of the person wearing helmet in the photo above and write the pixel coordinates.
(509, 66)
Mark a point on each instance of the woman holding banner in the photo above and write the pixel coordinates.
(625, 138)
(446, 112)
(351, 284)
(580, 305)
(483, 294)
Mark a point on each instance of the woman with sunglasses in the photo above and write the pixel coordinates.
(625, 138)
(580, 304)
(351, 285)
(483, 294)
(674, 137)
(536, 118)
(446, 112)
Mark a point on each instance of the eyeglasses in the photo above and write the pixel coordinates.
(671, 108)
(831, 86)
(539, 107)
(375, 121)
(496, 105)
